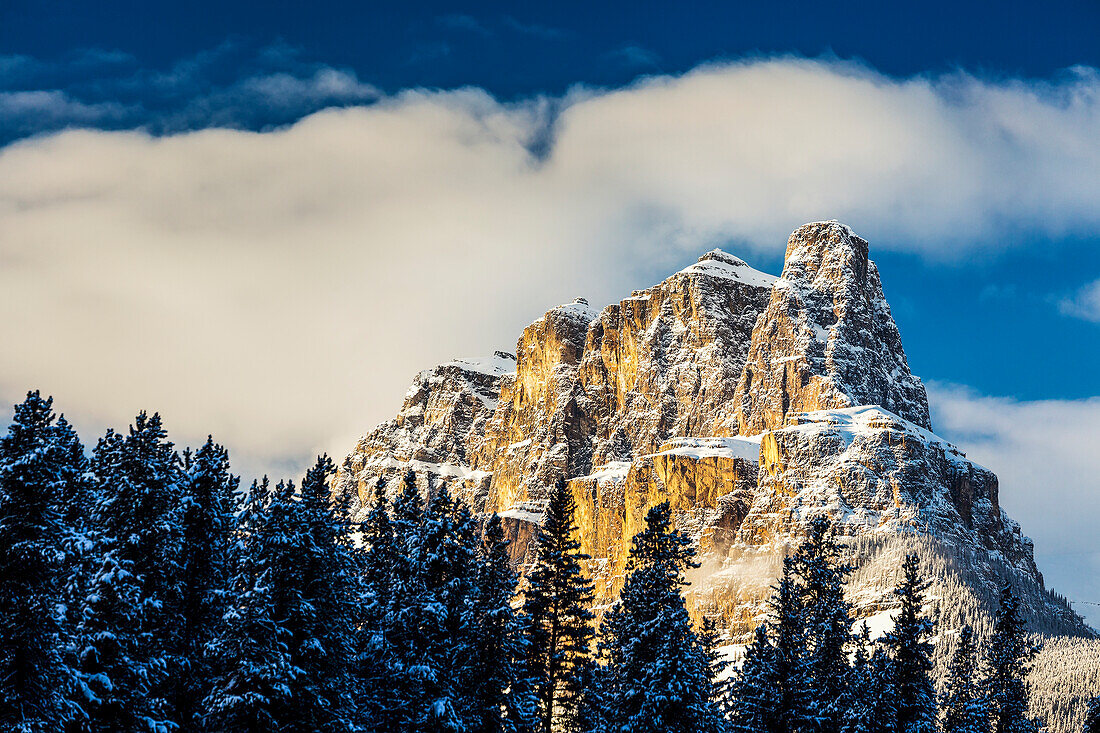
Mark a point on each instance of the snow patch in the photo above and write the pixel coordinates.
(864, 421)
(746, 448)
(717, 263)
(616, 470)
(496, 365)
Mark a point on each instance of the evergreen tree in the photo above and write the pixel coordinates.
(1010, 653)
(374, 659)
(77, 499)
(400, 650)
(963, 702)
(756, 695)
(445, 558)
(117, 673)
(912, 655)
(788, 620)
(253, 672)
(133, 602)
(822, 572)
(719, 666)
(658, 670)
(314, 583)
(37, 470)
(445, 641)
(207, 504)
(559, 622)
(497, 696)
(883, 717)
(594, 708)
(870, 700)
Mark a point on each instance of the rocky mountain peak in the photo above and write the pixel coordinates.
(825, 249)
(749, 402)
(827, 339)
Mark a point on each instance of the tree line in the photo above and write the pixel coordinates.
(141, 589)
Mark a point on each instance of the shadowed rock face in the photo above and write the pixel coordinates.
(826, 339)
(751, 403)
(444, 414)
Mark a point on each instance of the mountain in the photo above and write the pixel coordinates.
(752, 404)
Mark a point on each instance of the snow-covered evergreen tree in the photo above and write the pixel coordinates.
(718, 664)
(1010, 653)
(658, 674)
(912, 654)
(497, 696)
(822, 571)
(593, 713)
(250, 659)
(869, 702)
(444, 554)
(117, 673)
(756, 694)
(788, 624)
(398, 652)
(375, 656)
(132, 606)
(556, 604)
(314, 579)
(37, 471)
(963, 702)
(77, 496)
(436, 632)
(207, 503)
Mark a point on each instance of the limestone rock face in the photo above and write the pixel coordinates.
(665, 361)
(827, 339)
(870, 471)
(540, 430)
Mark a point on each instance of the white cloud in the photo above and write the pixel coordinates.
(1044, 454)
(1085, 303)
(28, 110)
(280, 289)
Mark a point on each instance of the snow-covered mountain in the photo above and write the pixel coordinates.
(751, 403)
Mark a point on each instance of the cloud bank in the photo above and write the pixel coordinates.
(281, 288)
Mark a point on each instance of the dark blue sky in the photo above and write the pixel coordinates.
(514, 48)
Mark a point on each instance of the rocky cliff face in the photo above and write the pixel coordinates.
(665, 361)
(750, 403)
(443, 416)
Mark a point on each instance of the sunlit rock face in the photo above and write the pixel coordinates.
(871, 472)
(665, 362)
(540, 430)
(827, 339)
(750, 403)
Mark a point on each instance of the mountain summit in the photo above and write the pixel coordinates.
(752, 404)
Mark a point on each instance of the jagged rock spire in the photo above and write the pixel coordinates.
(827, 339)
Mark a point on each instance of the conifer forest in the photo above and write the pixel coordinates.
(142, 588)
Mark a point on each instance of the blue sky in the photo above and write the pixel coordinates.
(190, 223)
